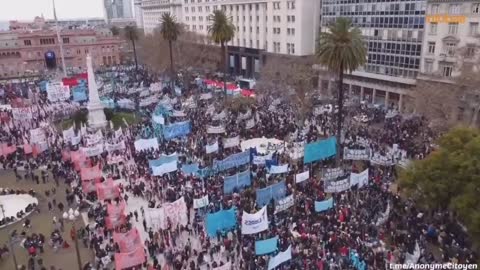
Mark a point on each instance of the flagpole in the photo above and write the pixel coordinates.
(60, 41)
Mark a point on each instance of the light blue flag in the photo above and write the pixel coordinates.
(179, 129)
(280, 258)
(162, 160)
(190, 168)
(266, 246)
(232, 161)
(239, 181)
(222, 220)
(324, 205)
(320, 150)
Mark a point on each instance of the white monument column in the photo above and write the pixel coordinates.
(96, 116)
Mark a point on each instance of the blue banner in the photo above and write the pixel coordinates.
(324, 205)
(205, 172)
(276, 191)
(239, 181)
(162, 160)
(190, 168)
(79, 93)
(179, 129)
(266, 246)
(232, 161)
(320, 150)
(222, 220)
(356, 262)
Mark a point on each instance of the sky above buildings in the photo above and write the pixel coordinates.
(26, 10)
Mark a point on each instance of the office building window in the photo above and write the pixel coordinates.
(258, 30)
(428, 66)
(288, 48)
(186, 9)
(215, 7)
(470, 50)
(250, 29)
(200, 18)
(199, 9)
(431, 47)
(258, 18)
(291, 5)
(452, 28)
(194, 18)
(27, 42)
(244, 43)
(187, 18)
(194, 27)
(251, 43)
(200, 27)
(454, 9)
(207, 8)
(293, 18)
(243, 28)
(66, 40)
(473, 30)
(276, 5)
(434, 9)
(433, 28)
(258, 44)
(476, 8)
(256, 8)
(193, 9)
(450, 48)
(447, 70)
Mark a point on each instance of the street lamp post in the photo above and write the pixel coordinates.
(72, 215)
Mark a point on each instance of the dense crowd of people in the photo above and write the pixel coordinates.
(368, 227)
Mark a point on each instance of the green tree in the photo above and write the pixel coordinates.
(449, 178)
(131, 33)
(221, 30)
(170, 30)
(341, 48)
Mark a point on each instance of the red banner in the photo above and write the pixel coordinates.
(7, 150)
(90, 173)
(27, 149)
(112, 222)
(128, 241)
(127, 260)
(107, 190)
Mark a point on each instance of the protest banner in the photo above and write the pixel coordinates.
(222, 220)
(332, 173)
(267, 246)
(320, 150)
(300, 177)
(200, 202)
(220, 116)
(95, 150)
(176, 212)
(68, 134)
(216, 129)
(356, 154)
(232, 161)
(360, 179)
(115, 147)
(256, 222)
(284, 204)
(278, 169)
(91, 173)
(237, 181)
(280, 258)
(261, 160)
(231, 142)
(178, 113)
(131, 259)
(275, 191)
(179, 129)
(37, 135)
(190, 169)
(128, 241)
(21, 114)
(107, 190)
(333, 186)
(168, 167)
(210, 148)
(145, 144)
(56, 91)
(324, 205)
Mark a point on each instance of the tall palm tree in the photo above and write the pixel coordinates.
(170, 30)
(221, 30)
(131, 33)
(341, 49)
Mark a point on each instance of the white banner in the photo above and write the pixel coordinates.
(178, 114)
(279, 169)
(302, 176)
(147, 101)
(255, 223)
(37, 135)
(157, 218)
(280, 258)
(158, 119)
(337, 186)
(206, 96)
(93, 151)
(260, 160)
(297, 150)
(284, 204)
(114, 147)
(22, 113)
(215, 130)
(220, 116)
(165, 168)
(201, 202)
(76, 139)
(250, 124)
(231, 142)
(356, 154)
(57, 91)
(211, 148)
(68, 134)
(359, 178)
(333, 173)
(144, 144)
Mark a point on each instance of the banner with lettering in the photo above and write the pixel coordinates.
(278, 169)
(360, 179)
(92, 151)
(115, 146)
(57, 92)
(128, 241)
(332, 173)
(22, 114)
(276, 192)
(232, 161)
(216, 129)
(333, 186)
(210, 148)
(175, 212)
(223, 220)
(300, 177)
(37, 135)
(131, 259)
(200, 202)
(179, 129)
(145, 144)
(107, 190)
(284, 204)
(356, 154)
(256, 222)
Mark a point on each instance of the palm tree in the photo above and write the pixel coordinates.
(170, 30)
(341, 49)
(221, 31)
(131, 33)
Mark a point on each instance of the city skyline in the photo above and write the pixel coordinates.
(66, 9)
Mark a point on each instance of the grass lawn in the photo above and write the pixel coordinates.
(117, 119)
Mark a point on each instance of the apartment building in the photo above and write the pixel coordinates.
(393, 31)
(154, 9)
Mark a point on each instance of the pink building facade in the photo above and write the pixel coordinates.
(27, 52)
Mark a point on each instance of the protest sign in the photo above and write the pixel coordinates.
(300, 177)
(200, 202)
(340, 185)
(256, 222)
(231, 142)
(284, 204)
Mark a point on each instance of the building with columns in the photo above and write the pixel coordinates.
(32, 52)
(137, 7)
(154, 9)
